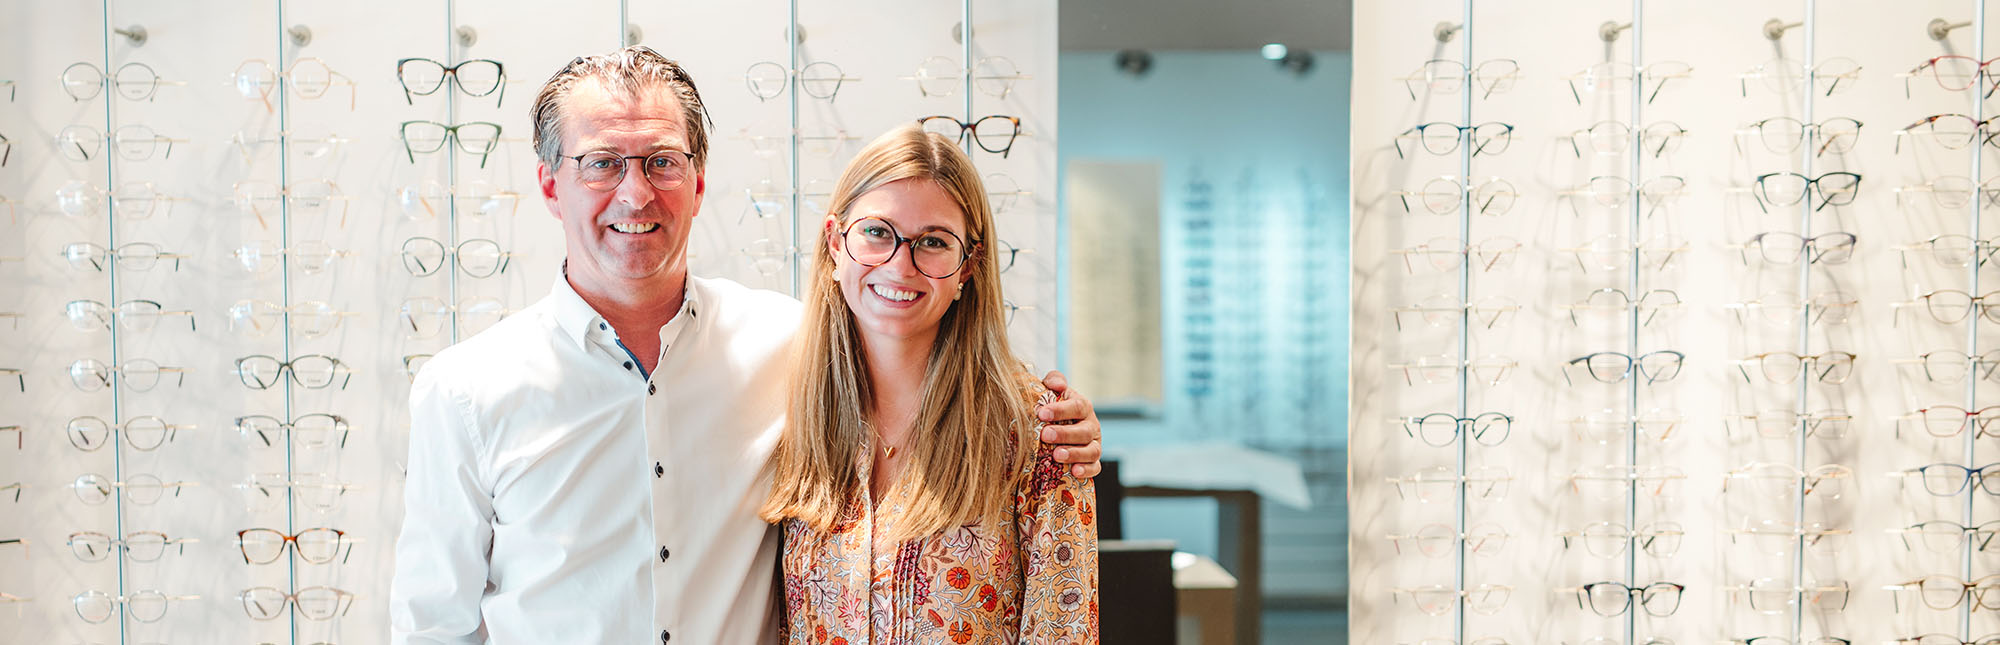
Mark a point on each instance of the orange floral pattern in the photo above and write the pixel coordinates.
(1031, 578)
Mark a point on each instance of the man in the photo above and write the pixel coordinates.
(589, 470)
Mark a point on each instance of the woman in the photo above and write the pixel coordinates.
(916, 502)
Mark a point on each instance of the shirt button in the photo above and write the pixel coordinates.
(650, 388)
(603, 326)
(664, 636)
(658, 470)
(628, 365)
(663, 554)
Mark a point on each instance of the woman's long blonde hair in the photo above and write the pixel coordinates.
(972, 431)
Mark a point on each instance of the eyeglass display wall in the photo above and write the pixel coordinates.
(233, 230)
(1670, 323)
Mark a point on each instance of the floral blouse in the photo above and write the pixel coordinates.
(1031, 578)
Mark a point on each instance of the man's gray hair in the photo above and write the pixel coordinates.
(627, 70)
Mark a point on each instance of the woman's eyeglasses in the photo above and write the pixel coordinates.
(936, 254)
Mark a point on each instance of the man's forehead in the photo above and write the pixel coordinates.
(604, 109)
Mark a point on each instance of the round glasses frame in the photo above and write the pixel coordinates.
(848, 242)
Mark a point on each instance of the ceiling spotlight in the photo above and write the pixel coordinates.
(1297, 62)
(1134, 62)
(1274, 51)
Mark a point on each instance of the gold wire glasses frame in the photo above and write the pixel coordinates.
(1785, 481)
(1441, 368)
(476, 137)
(1615, 137)
(1607, 78)
(312, 603)
(1445, 253)
(993, 133)
(1445, 195)
(1606, 425)
(133, 256)
(478, 258)
(1613, 481)
(1490, 312)
(1953, 192)
(144, 433)
(1780, 247)
(312, 371)
(146, 605)
(310, 431)
(131, 315)
(1436, 540)
(1829, 424)
(1943, 592)
(1778, 537)
(132, 142)
(1782, 308)
(1441, 138)
(307, 197)
(428, 199)
(603, 170)
(138, 374)
(312, 256)
(1437, 76)
(1784, 135)
(1951, 250)
(821, 80)
(1832, 368)
(134, 200)
(135, 81)
(1439, 483)
(1783, 76)
(1438, 600)
(318, 491)
(941, 76)
(1613, 301)
(1611, 253)
(425, 316)
(141, 489)
(1951, 366)
(140, 546)
(1608, 539)
(309, 78)
(309, 319)
(478, 78)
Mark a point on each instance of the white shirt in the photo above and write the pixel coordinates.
(555, 495)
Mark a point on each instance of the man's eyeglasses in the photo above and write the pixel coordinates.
(1441, 138)
(424, 77)
(767, 80)
(310, 78)
(135, 81)
(995, 133)
(145, 433)
(937, 254)
(477, 137)
(312, 371)
(603, 171)
(139, 374)
(480, 258)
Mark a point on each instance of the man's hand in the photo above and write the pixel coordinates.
(1072, 424)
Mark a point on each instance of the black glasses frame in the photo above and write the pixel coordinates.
(965, 250)
(972, 129)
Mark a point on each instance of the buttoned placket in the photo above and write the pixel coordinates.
(653, 408)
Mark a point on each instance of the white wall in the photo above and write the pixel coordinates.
(1720, 40)
(200, 44)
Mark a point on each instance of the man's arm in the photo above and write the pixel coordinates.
(1072, 426)
(441, 557)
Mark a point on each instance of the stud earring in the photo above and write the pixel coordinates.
(960, 293)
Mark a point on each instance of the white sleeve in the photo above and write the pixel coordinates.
(442, 554)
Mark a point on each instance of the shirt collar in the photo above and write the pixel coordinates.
(576, 319)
